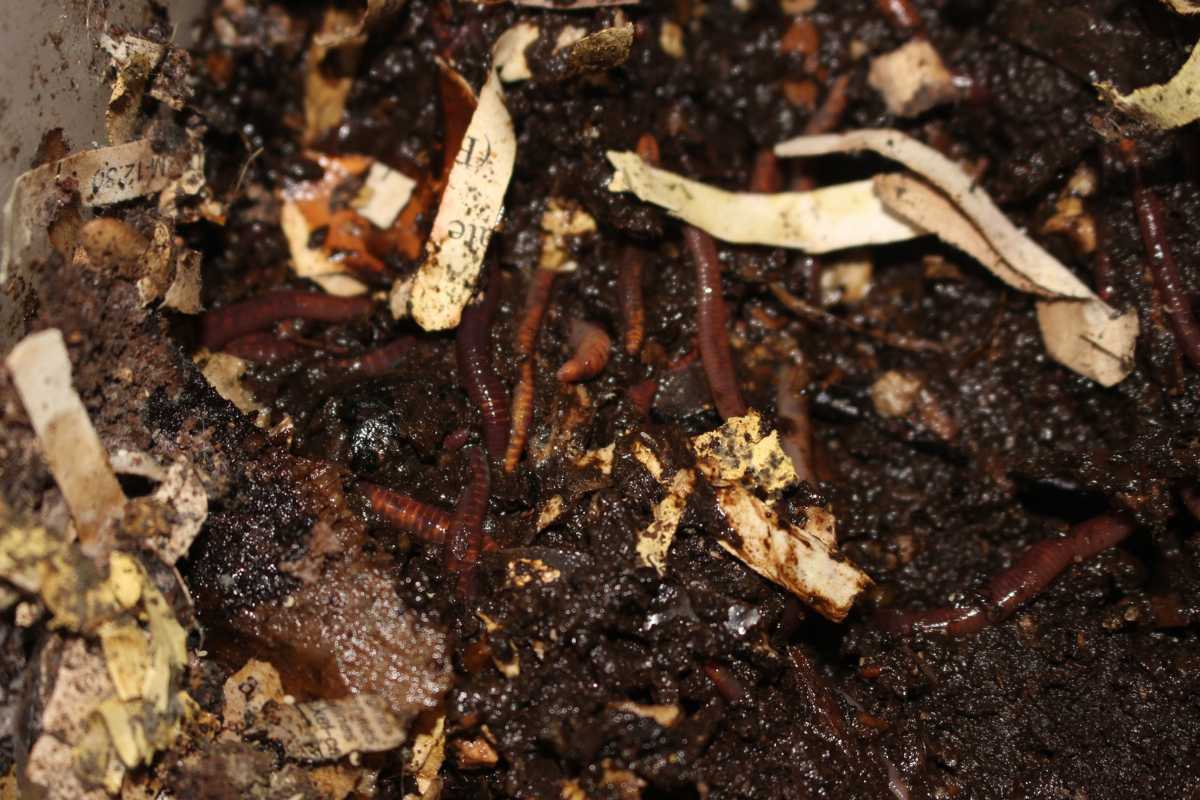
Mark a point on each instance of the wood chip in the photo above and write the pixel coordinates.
(832, 218)
(41, 372)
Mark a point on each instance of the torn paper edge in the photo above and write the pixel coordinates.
(1087, 336)
(332, 276)
(41, 372)
(1163, 105)
(654, 543)
(1022, 253)
(471, 208)
(832, 218)
(793, 557)
(509, 56)
(384, 195)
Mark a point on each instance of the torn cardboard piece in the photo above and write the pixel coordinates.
(41, 372)
(741, 450)
(471, 207)
(833, 218)
(1164, 105)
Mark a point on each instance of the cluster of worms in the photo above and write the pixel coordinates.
(243, 329)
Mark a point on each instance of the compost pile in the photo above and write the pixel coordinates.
(732, 399)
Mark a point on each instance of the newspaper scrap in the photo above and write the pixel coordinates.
(1164, 105)
(654, 542)
(912, 79)
(471, 206)
(741, 450)
(41, 372)
(1080, 331)
(324, 730)
(100, 177)
(248, 690)
(819, 221)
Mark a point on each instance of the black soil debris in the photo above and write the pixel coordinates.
(565, 667)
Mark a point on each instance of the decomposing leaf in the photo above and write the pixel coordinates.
(324, 730)
(471, 206)
(1163, 105)
(912, 79)
(41, 371)
(1080, 330)
(798, 559)
(602, 50)
(311, 262)
(833, 218)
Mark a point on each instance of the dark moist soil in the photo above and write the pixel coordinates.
(1076, 696)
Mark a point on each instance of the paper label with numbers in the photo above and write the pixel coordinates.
(470, 210)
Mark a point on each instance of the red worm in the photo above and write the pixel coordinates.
(228, 323)
(902, 14)
(642, 395)
(537, 300)
(830, 114)
(820, 698)
(474, 354)
(407, 513)
(1167, 278)
(1036, 569)
(456, 440)
(630, 297)
(765, 178)
(792, 405)
(592, 348)
(464, 539)
(727, 685)
(713, 322)
(263, 348)
(377, 362)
